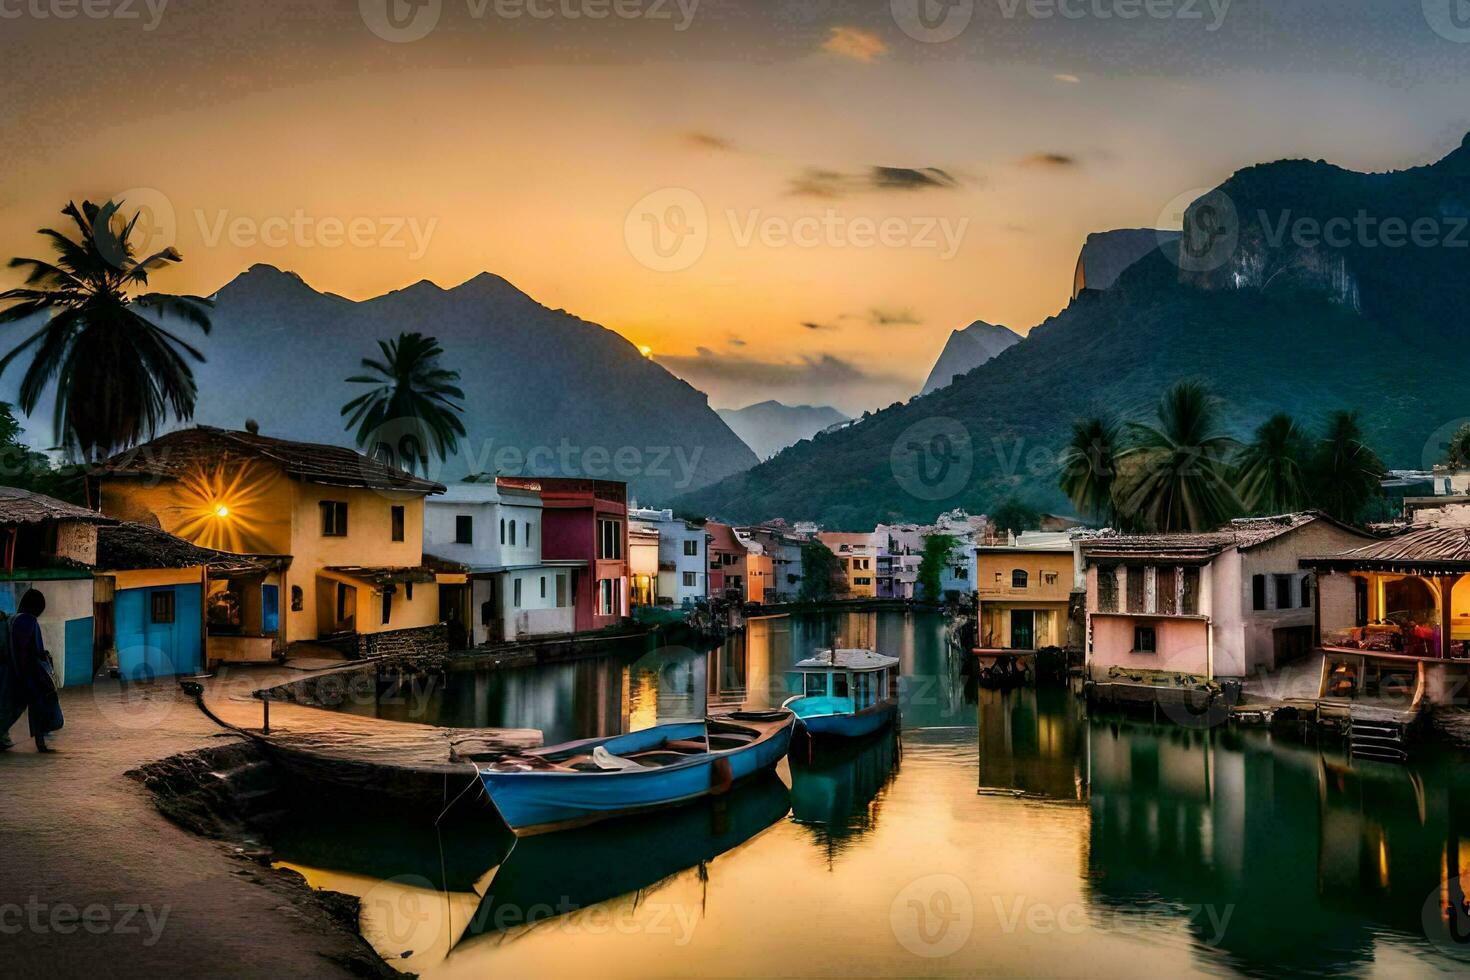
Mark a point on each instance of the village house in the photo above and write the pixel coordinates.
(643, 563)
(344, 530)
(492, 531)
(1394, 615)
(587, 521)
(726, 562)
(683, 564)
(1221, 604)
(859, 560)
(782, 546)
(759, 568)
(1024, 590)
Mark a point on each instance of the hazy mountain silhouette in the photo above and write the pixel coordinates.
(967, 349)
(769, 427)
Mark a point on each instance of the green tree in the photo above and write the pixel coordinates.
(937, 549)
(118, 374)
(821, 573)
(1014, 516)
(23, 467)
(1346, 475)
(412, 391)
(1090, 468)
(1271, 470)
(1457, 453)
(1180, 474)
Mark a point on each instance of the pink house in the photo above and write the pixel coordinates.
(587, 521)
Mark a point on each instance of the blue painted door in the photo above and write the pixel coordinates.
(159, 631)
(270, 609)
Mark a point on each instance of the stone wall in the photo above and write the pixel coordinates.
(419, 641)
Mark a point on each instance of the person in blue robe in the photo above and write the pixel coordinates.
(35, 669)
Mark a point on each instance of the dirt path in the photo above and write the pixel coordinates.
(95, 882)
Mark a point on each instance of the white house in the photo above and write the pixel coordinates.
(683, 557)
(494, 530)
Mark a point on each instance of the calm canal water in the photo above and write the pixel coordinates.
(1000, 834)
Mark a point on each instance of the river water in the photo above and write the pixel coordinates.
(1003, 834)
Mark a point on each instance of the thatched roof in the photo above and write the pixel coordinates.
(186, 452)
(384, 576)
(130, 546)
(1420, 549)
(19, 506)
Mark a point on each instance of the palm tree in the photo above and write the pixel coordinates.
(1270, 474)
(412, 404)
(118, 374)
(1180, 472)
(1346, 473)
(1090, 468)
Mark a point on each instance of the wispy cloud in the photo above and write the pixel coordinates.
(817, 325)
(1049, 161)
(855, 43)
(708, 141)
(1068, 79)
(880, 316)
(831, 184)
(825, 370)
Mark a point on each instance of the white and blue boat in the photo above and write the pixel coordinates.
(845, 693)
(594, 779)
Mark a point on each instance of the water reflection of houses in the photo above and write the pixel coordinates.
(1033, 742)
(1187, 822)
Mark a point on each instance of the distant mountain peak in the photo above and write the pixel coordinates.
(967, 349)
(768, 427)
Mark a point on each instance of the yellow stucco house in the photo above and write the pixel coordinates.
(1025, 591)
(345, 531)
(858, 556)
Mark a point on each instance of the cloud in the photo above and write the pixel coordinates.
(1050, 161)
(814, 325)
(708, 141)
(831, 184)
(1069, 79)
(855, 43)
(736, 342)
(705, 365)
(880, 316)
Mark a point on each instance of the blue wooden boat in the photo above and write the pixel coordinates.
(846, 693)
(594, 779)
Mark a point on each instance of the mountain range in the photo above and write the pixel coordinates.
(966, 350)
(1255, 301)
(546, 392)
(769, 427)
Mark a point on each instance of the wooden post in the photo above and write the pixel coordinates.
(1447, 614)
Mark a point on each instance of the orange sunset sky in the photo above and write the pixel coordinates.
(542, 148)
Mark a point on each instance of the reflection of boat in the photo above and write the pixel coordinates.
(1003, 669)
(846, 693)
(594, 779)
(560, 873)
(835, 788)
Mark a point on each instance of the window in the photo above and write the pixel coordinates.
(1165, 591)
(862, 581)
(512, 533)
(728, 559)
(691, 579)
(334, 518)
(464, 529)
(816, 685)
(298, 599)
(839, 685)
(1136, 602)
(1283, 592)
(607, 600)
(610, 539)
(502, 530)
(1049, 578)
(1019, 578)
(163, 606)
(1189, 593)
(961, 571)
(543, 586)
(691, 548)
(387, 607)
(517, 600)
(1306, 591)
(561, 591)
(396, 514)
(1107, 588)
(1258, 592)
(408, 591)
(1145, 640)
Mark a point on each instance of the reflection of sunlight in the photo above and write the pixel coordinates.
(225, 507)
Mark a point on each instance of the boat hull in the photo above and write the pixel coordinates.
(851, 725)
(540, 802)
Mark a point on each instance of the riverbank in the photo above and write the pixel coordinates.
(99, 883)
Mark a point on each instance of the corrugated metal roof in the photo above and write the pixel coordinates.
(1438, 547)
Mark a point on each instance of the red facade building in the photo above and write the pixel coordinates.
(726, 561)
(587, 521)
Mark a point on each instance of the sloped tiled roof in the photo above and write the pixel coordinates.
(180, 454)
(1418, 548)
(1244, 534)
(19, 506)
